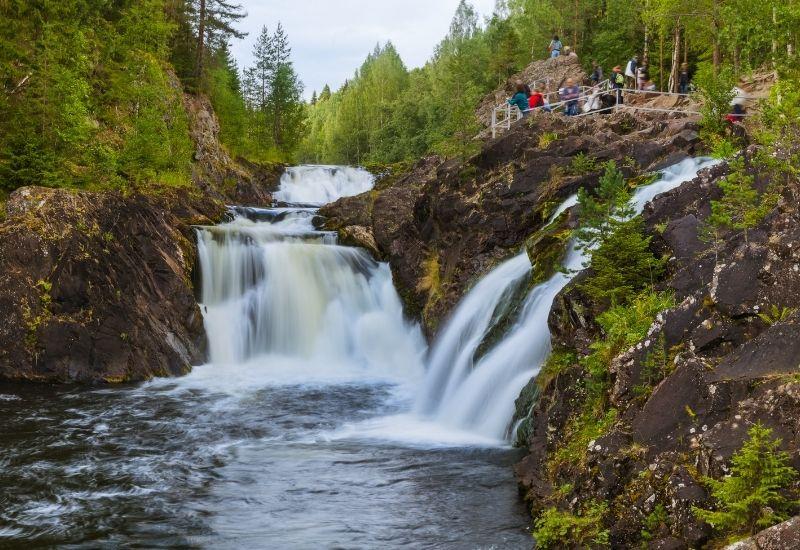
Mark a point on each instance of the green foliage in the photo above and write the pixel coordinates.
(546, 139)
(723, 148)
(90, 81)
(752, 497)
(559, 360)
(655, 367)
(623, 264)
(603, 211)
(582, 164)
(716, 91)
(558, 529)
(741, 207)
(654, 521)
(620, 256)
(776, 314)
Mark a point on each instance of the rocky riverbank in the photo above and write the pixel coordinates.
(723, 359)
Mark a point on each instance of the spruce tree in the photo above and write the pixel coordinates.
(753, 496)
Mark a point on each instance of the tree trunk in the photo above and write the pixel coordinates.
(575, 23)
(775, 41)
(201, 37)
(661, 62)
(676, 59)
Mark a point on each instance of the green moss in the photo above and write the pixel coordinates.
(561, 529)
(546, 250)
(581, 429)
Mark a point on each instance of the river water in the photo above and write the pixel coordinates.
(297, 433)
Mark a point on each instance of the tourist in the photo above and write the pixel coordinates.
(630, 71)
(617, 83)
(571, 93)
(737, 114)
(683, 82)
(597, 73)
(649, 86)
(536, 100)
(555, 47)
(642, 76)
(568, 52)
(520, 98)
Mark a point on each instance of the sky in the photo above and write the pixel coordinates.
(330, 39)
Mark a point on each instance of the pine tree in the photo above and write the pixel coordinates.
(753, 496)
(741, 207)
(214, 22)
(325, 94)
(603, 212)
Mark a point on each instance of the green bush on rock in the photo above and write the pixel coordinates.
(554, 528)
(753, 496)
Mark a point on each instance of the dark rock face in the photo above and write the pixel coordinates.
(733, 355)
(96, 287)
(238, 182)
(461, 218)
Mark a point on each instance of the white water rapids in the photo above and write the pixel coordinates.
(284, 304)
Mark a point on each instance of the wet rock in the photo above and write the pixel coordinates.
(780, 537)
(360, 236)
(96, 287)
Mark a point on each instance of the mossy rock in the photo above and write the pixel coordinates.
(547, 247)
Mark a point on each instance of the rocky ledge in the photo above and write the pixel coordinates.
(97, 287)
(442, 225)
(726, 357)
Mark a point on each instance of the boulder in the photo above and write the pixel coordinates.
(97, 287)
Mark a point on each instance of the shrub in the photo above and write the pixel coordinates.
(623, 264)
(557, 529)
(716, 91)
(582, 164)
(751, 498)
(741, 208)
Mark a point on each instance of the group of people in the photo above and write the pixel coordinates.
(527, 99)
(635, 77)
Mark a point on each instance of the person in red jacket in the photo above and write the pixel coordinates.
(536, 100)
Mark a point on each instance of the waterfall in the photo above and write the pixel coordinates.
(479, 398)
(318, 185)
(283, 303)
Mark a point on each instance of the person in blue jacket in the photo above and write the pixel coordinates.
(520, 98)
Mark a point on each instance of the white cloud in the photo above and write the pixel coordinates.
(330, 39)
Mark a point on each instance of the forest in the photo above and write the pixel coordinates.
(99, 85)
(386, 113)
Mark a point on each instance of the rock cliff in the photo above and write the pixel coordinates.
(729, 349)
(442, 225)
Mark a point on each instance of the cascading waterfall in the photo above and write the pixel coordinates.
(283, 301)
(480, 398)
(318, 185)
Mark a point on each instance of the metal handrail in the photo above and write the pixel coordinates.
(588, 91)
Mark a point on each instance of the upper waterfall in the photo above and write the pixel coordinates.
(318, 185)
